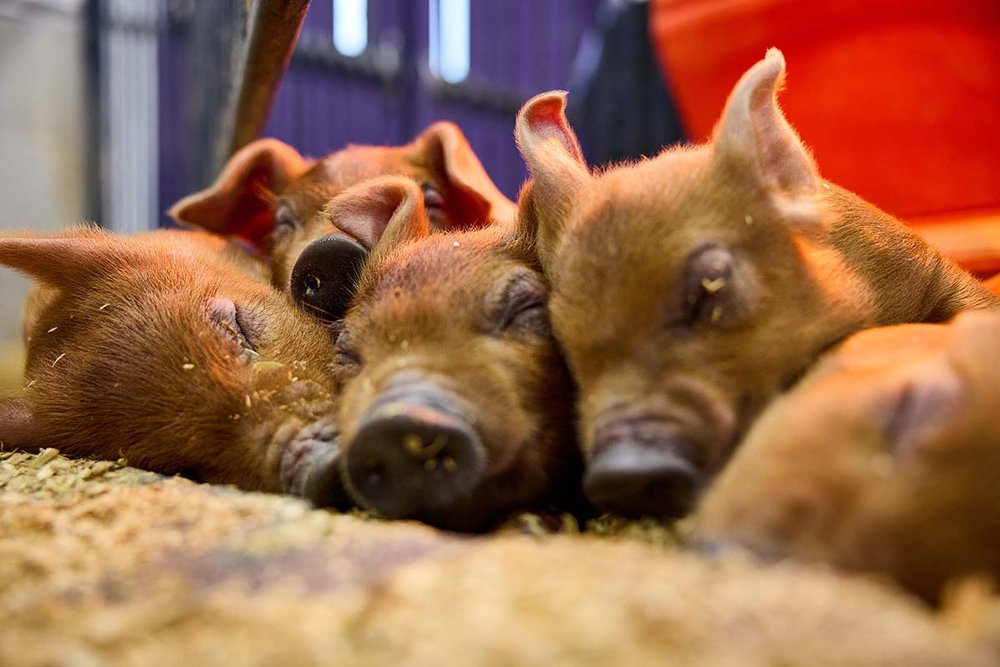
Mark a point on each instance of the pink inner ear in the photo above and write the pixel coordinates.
(754, 129)
(545, 118)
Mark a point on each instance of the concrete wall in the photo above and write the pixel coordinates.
(42, 129)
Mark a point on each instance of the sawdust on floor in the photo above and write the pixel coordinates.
(103, 564)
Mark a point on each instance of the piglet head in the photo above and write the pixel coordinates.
(159, 349)
(683, 296)
(274, 199)
(456, 406)
(885, 459)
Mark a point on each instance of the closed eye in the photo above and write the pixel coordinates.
(707, 286)
(434, 205)
(347, 360)
(521, 306)
(285, 220)
(432, 196)
(238, 325)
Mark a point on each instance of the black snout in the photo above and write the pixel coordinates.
(636, 478)
(408, 460)
(325, 275)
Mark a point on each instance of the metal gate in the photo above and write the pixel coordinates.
(387, 93)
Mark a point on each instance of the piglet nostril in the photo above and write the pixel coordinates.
(641, 479)
(406, 460)
(324, 276)
(311, 284)
(372, 473)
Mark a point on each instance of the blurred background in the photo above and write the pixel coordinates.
(111, 110)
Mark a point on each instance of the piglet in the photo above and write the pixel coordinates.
(167, 349)
(886, 458)
(273, 199)
(690, 289)
(456, 405)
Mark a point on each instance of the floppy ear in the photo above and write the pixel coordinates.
(380, 213)
(18, 428)
(384, 212)
(239, 202)
(754, 137)
(58, 259)
(470, 197)
(558, 170)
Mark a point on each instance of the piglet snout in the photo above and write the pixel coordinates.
(324, 276)
(311, 467)
(409, 459)
(637, 476)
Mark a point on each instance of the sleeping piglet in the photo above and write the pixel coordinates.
(167, 349)
(690, 289)
(456, 407)
(274, 199)
(885, 458)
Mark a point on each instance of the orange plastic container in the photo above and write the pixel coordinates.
(898, 99)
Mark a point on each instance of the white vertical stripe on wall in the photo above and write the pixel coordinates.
(130, 198)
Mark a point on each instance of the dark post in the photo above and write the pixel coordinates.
(274, 28)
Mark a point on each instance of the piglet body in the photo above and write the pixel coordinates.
(692, 288)
(885, 458)
(167, 349)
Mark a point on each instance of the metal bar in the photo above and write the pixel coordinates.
(96, 156)
(274, 28)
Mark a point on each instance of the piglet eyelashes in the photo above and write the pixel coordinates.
(285, 219)
(521, 306)
(347, 360)
(235, 324)
(432, 197)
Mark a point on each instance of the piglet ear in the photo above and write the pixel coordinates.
(558, 170)
(386, 211)
(18, 427)
(754, 137)
(470, 197)
(239, 202)
(381, 213)
(59, 259)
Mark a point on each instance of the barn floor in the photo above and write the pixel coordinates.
(104, 564)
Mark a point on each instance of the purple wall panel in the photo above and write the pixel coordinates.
(173, 126)
(518, 48)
